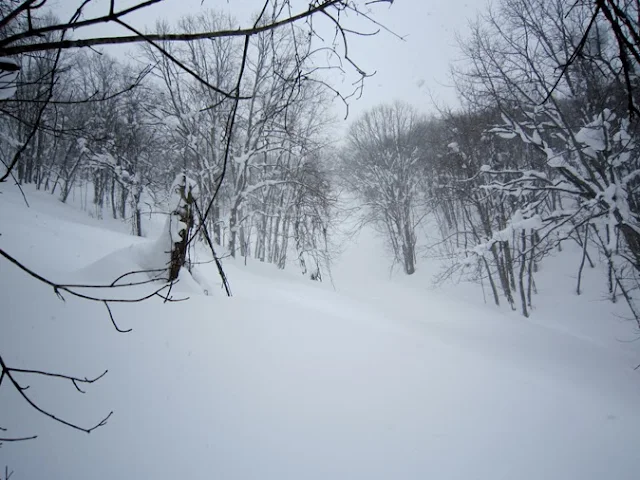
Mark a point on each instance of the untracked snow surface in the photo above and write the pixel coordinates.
(289, 379)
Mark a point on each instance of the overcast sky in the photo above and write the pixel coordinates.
(415, 70)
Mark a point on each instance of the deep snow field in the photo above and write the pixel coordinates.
(382, 378)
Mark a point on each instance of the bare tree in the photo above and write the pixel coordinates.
(384, 163)
(555, 157)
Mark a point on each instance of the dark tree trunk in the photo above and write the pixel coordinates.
(184, 214)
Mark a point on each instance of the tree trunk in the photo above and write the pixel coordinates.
(183, 214)
(523, 264)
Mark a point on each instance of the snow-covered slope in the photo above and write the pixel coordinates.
(290, 379)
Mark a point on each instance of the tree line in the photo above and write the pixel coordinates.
(542, 152)
(88, 125)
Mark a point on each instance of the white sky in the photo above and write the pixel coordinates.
(415, 70)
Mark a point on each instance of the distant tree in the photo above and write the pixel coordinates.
(384, 164)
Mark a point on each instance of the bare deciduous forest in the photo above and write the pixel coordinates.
(229, 132)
